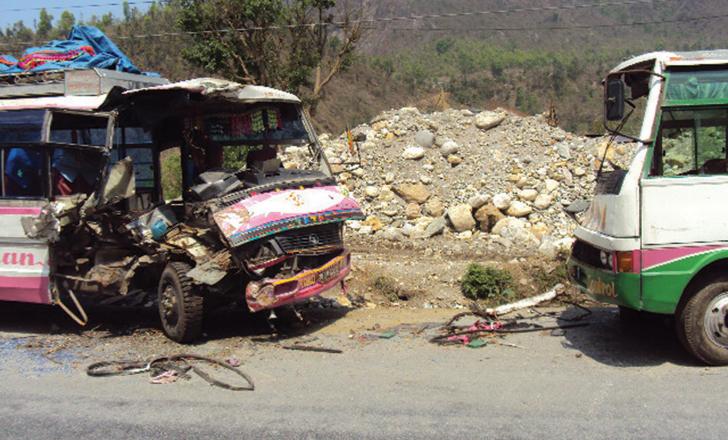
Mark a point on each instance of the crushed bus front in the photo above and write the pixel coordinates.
(605, 275)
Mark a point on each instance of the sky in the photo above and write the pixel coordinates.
(79, 8)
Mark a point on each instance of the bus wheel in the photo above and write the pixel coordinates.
(180, 307)
(702, 324)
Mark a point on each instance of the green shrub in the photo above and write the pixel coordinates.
(489, 283)
(171, 174)
(388, 287)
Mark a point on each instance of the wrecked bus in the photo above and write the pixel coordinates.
(655, 235)
(83, 210)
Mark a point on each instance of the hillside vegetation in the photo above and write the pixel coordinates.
(552, 59)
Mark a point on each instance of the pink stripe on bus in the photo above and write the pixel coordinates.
(655, 257)
(25, 289)
(19, 210)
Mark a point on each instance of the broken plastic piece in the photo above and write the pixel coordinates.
(477, 343)
(164, 378)
(527, 302)
(233, 361)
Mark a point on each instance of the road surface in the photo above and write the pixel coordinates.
(594, 382)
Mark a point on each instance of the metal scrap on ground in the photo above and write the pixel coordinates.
(167, 369)
(488, 323)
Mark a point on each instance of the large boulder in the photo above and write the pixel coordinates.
(519, 209)
(393, 234)
(487, 120)
(412, 192)
(564, 150)
(551, 185)
(373, 222)
(461, 217)
(516, 231)
(412, 211)
(528, 194)
(425, 138)
(448, 148)
(487, 216)
(502, 201)
(371, 191)
(478, 200)
(454, 160)
(434, 207)
(543, 201)
(413, 153)
(436, 227)
(507, 227)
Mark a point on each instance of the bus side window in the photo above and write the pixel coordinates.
(23, 172)
(691, 142)
(75, 171)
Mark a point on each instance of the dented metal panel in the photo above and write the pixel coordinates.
(269, 213)
(230, 90)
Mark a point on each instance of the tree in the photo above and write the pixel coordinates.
(296, 45)
(19, 32)
(65, 23)
(45, 24)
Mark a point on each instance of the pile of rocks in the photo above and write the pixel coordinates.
(492, 177)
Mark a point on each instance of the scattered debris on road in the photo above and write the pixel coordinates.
(311, 348)
(489, 325)
(527, 302)
(167, 369)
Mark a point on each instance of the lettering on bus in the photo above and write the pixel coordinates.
(20, 259)
(599, 287)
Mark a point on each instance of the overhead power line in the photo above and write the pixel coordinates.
(414, 18)
(405, 18)
(343, 23)
(91, 5)
(564, 27)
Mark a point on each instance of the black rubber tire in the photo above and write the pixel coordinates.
(689, 324)
(189, 305)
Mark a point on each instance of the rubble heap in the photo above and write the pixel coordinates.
(492, 178)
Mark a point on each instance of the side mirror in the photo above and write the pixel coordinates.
(614, 99)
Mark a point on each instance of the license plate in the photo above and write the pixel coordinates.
(329, 273)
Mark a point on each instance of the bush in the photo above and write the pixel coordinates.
(171, 174)
(489, 283)
(388, 287)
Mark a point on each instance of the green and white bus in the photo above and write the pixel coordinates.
(655, 236)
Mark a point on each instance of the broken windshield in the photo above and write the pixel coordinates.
(246, 139)
(279, 124)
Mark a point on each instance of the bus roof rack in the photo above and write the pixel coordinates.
(72, 82)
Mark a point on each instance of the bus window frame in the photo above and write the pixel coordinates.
(46, 147)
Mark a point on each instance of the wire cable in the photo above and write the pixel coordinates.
(566, 27)
(90, 5)
(346, 24)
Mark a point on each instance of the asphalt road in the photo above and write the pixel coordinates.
(594, 382)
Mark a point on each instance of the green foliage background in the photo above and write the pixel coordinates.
(528, 71)
(486, 283)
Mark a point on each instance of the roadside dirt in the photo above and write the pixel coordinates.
(432, 280)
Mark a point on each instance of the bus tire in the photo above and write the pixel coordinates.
(702, 323)
(181, 308)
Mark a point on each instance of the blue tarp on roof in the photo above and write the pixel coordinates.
(85, 48)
